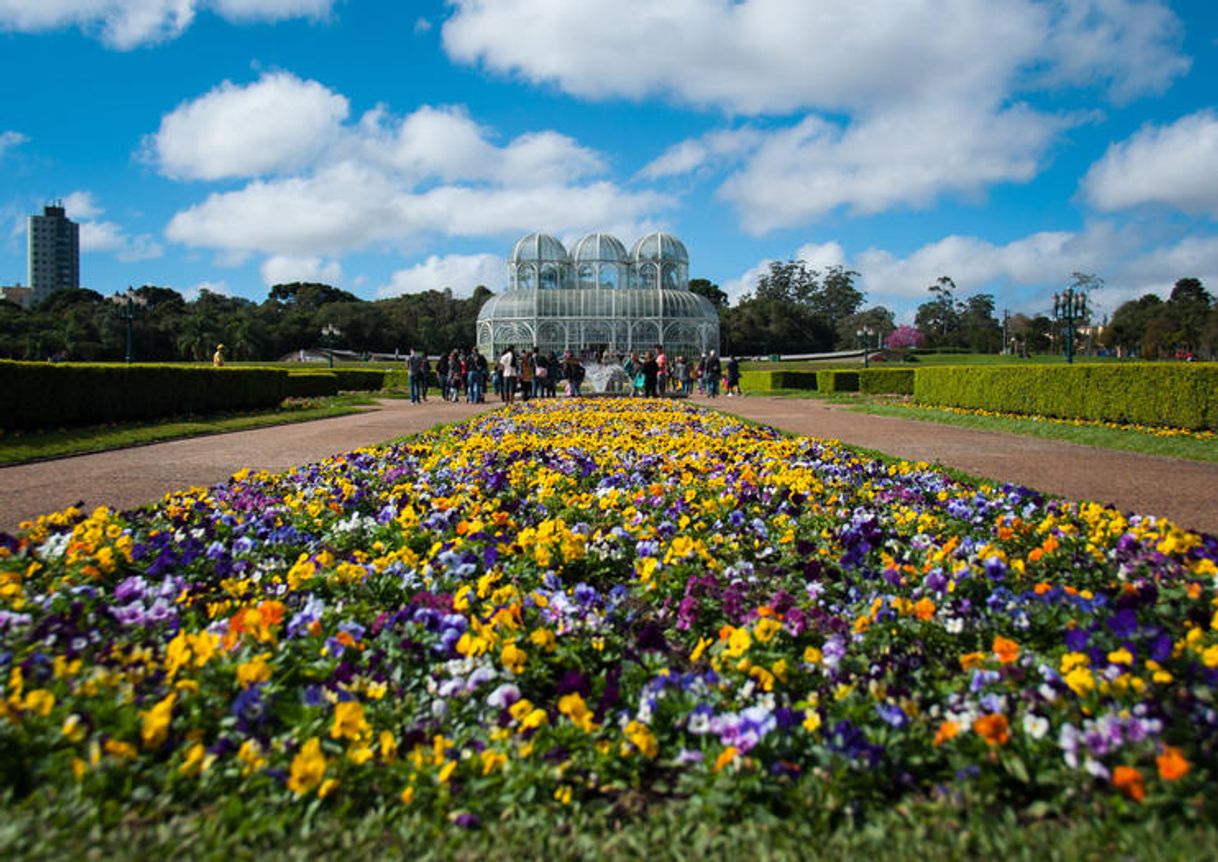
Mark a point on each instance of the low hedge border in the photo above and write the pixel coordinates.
(1179, 395)
(768, 381)
(834, 380)
(312, 384)
(43, 395)
(887, 381)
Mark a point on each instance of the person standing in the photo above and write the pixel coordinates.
(217, 358)
(713, 370)
(416, 369)
(507, 371)
(733, 377)
(527, 371)
(650, 375)
(661, 370)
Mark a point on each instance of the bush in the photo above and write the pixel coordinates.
(41, 395)
(837, 381)
(887, 381)
(397, 378)
(360, 379)
(1176, 395)
(312, 384)
(767, 381)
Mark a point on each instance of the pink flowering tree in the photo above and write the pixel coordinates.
(904, 336)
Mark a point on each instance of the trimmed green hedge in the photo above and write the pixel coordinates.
(42, 395)
(887, 381)
(766, 381)
(1179, 395)
(312, 384)
(837, 381)
(360, 379)
(397, 378)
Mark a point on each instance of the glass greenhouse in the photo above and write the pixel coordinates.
(599, 297)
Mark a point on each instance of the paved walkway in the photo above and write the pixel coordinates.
(1185, 491)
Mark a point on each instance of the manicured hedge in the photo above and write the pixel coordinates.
(1179, 395)
(312, 384)
(766, 381)
(397, 378)
(360, 379)
(887, 381)
(42, 395)
(837, 381)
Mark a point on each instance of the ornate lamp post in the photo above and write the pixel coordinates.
(864, 336)
(127, 311)
(329, 335)
(1070, 309)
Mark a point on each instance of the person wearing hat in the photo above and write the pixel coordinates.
(217, 358)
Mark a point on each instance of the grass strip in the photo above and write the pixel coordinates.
(26, 447)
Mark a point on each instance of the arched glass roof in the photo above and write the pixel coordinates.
(599, 248)
(538, 248)
(660, 246)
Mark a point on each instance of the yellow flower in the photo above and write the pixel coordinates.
(641, 736)
(327, 787)
(738, 642)
(573, 706)
(40, 702)
(360, 754)
(492, 760)
(308, 767)
(766, 628)
(388, 745)
(349, 721)
(407, 795)
(446, 771)
(513, 658)
(563, 795)
(703, 643)
(197, 760)
(154, 729)
(254, 671)
(250, 754)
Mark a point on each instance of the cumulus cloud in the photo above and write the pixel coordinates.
(282, 269)
(710, 150)
(127, 24)
(1174, 165)
(10, 140)
(220, 288)
(459, 272)
(98, 235)
(277, 123)
(331, 186)
(767, 56)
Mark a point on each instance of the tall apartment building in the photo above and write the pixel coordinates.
(54, 252)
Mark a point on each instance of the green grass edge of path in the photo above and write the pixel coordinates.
(34, 446)
(65, 826)
(1182, 448)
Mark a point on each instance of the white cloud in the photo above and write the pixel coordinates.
(694, 154)
(1174, 165)
(764, 56)
(127, 24)
(819, 256)
(275, 124)
(422, 25)
(219, 288)
(461, 273)
(10, 140)
(97, 235)
(281, 269)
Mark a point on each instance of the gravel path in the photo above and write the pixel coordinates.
(1185, 491)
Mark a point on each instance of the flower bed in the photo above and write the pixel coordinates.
(592, 602)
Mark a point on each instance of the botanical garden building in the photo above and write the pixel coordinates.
(597, 298)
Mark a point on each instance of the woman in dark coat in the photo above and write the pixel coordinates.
(650, 372)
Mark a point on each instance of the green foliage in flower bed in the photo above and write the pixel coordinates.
(1179, 395)
(43, 395)
(312, 384)
(886, 381)
(837, 381)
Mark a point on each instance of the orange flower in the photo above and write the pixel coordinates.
(1129, 781)
(947, 731)
(924, 609)
(1006, 650)
(970, 660)
(1172, 765)
(993, 728)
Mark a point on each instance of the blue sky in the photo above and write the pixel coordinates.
(390, 147)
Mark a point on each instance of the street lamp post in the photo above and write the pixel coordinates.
(864, 336)
(127, 303)
(1069, 309)
(329, 333)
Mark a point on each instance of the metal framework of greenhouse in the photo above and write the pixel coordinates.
(598, 299)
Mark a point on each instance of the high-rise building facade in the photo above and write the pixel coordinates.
(54, 252)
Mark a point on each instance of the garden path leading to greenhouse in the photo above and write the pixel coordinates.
(1184, 491)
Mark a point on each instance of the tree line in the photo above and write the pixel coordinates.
(794, 308)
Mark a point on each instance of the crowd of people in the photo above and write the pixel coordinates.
(527, 374)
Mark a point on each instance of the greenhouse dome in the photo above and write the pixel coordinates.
(599, 298)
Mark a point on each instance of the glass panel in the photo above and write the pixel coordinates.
(525, 276)
(587, 276)
(609, 276)
(549, 277)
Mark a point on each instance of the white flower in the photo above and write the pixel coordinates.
(1035, 726)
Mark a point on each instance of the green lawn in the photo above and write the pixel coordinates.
(19, 447)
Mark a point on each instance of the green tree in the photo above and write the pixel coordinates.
(712, 291)
(938, 319)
